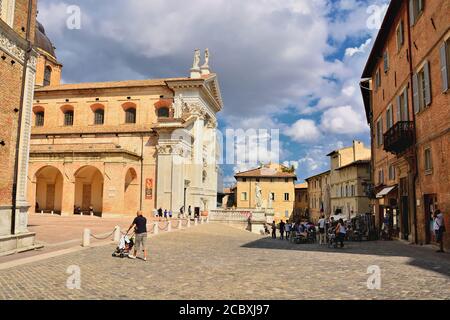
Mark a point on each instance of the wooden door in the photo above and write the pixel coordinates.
(87, 192)
(50, 201)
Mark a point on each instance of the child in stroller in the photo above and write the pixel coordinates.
(124, 248)
(331, 233)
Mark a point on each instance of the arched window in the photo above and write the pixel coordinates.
(99, 116)
(130, 115)
(39, 119)
(68, 118)
(163, 113)
(47, 75)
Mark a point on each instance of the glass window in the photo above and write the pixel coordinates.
(163, 113)
(286, 197)
(130, 115)
(99, 116)
(428, 160)
(39, 119)
(244, 196)
(68, 118)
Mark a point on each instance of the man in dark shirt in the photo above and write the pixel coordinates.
(140, 228)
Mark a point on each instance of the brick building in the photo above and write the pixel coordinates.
(117, 147)
(319, 197)
(301, 201)
(17, 74)
(405, 90)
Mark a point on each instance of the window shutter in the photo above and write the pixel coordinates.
(444, 67)
(426, 71)
(402, 40)
(386, 61)
(399, 109)
(405, 106)
(416, 93)
(412, 18)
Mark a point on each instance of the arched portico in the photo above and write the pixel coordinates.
(89, 189)
(49, 190)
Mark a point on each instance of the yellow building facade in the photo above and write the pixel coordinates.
(350, 173)
(275, 185)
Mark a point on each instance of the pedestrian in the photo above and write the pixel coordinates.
(321, 223)
(288, 230)
(165, 213)
(182, 212)
(439, 229)
(282, 228)
(189, 212)
(274, 230)
(341, 232)
(91, 210)
(170, 214)
(160, 212)
(155, 213)
(140, 228)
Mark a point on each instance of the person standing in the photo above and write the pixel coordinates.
(165, 213)
(182, 212)
(160, 212)
(439, 229)
(322, 230)
(274, 230)
(140, 227)
(190, 212)
(288, 230)
(341, 232)
(282, 228)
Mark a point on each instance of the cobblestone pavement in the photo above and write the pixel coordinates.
(219, 262)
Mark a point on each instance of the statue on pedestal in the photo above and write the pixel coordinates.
(258, 193)
(196, 64)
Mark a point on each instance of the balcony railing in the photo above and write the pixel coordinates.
(400, 137)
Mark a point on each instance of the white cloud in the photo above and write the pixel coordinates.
(361, 49)
(303, 131)
(343, 120)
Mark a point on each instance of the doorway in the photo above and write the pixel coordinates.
(405, 218)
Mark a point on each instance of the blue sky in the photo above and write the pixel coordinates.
(292, 65)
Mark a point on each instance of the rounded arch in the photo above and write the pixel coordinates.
(89, 189)
(49, 189)
(38, 116)
(97, 106)
(131, 191)
(98, 110)
(129, 105)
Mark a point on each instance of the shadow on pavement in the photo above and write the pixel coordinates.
(420, 257)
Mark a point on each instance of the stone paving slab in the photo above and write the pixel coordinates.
(215, 261)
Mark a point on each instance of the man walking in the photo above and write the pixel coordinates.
(274, 230)
(140, 227)
(282, 225)
(322, 230)
(439, 229)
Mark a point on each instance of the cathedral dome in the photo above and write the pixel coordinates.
(42, 41)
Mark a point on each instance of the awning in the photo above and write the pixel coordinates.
(385, 192)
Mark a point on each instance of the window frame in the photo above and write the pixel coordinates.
(40, 115)
(67, 117)
(132, 111)
(96, 114)
(428, 161)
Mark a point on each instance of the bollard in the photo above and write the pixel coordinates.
(196, 222)
(42, 211)
(169, 227)
(180, 224)
(86, 238)
(207, 219)
(53, 212)
(155, 228)
(116, 234)
(189, 223)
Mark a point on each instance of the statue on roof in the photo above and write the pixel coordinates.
(196, 64)
(206, 64)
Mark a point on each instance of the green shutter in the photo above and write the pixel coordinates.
(405, 106)
(412, 18)
(416, 93)
(426, 72)
(444, 67)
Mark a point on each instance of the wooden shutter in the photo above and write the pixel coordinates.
(405, 106)
(444, 67)
(426, 74)
(386, 61)
(402, 39)
(412, 18)
(399, 109)
(416, 93)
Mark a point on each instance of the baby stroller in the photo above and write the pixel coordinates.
(331, 234)
(124, 248)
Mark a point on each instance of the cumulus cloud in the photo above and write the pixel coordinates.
(343, 120)
(361, 49)
(303, 130)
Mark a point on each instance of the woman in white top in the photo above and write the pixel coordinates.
(341, 231)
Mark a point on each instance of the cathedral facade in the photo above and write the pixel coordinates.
(113, 148)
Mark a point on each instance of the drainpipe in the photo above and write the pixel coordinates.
(141, 205)
(19, 126)
(413, 161)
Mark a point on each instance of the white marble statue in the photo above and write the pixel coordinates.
(258, 196)
(196, 64)
(206, 64)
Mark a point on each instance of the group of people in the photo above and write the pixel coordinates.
(288, 230)
(168, 214)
